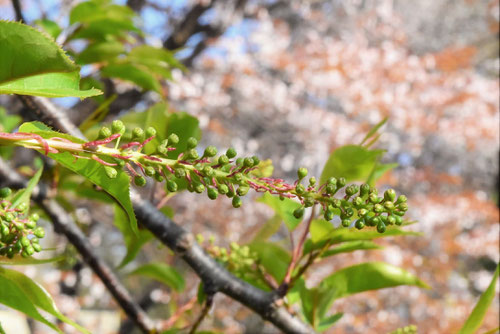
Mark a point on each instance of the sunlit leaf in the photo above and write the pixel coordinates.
(162, 273)
(283, 208)
(24, 195)
(273, 258)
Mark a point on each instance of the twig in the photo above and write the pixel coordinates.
(18, 10)
(184, 308)
(203, 314)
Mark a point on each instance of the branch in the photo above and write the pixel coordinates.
(211, 273)
(64, 224)
(18, 10)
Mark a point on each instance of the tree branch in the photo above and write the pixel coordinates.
(211, 273)
(17, 9)
(64, 224)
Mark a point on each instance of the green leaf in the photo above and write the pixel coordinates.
(22, 261)
(133, 241)
(354, 163)
(365, 277)
(137, 74)
(162, 273)
(273, 258)
(100, 51)
(44, 71)
(268, 229)
(378, 171)
(21, 293)
(92, 11)
(475, 319)
(374, 130)
(157, 56)
(350, 246)
(118, 187)
(50, 27)
(283, 208)
(7, 124)
(328, 322)
(23, 195)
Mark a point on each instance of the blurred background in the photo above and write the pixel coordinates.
(291, 81)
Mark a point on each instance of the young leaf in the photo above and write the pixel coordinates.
(44, 71)
(373, 130)
(22, 261)
(268, 229)
(274, 258)
(162, 273)
(351, 246)
(284, 209)
(328, 322)
(21, 293)
(354, 163)
(100, 51)
(476, 317)
(137, 74)
(23, 195)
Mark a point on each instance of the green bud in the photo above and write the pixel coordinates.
(180, 172)
(389, 195)
(351, 190)
(210, 151)
(173, 139)
(299, 212)
(39, 232)
(208, 171)
(139, 181)
(358, 201)
(401, 199)
(110, 172)
(238, 177)
(373, 221)
(328, 215)
(391, 220)
(341, 182)
(30, 224)
(299, 189)
(223, 189)
(330, 189)
(8, 217)
(158, 177)
(398, 213)
(360, 223)
(22, 206)
(29, 250)
(138, 134)
(403, 207)
(150, 171)
(150, 132)
(302, 173)
(36, 247)
(378, 208)
(312, 181)
(231, 153)
(256, 160)
(399, 220)
(373, 198)
(5, 192)
(349, 212)
(104, 132)
(172, 186)
(308, 201)
(239, 161)
(236, 202)
(199, 188)
(389, 205)
(35, 217)
(192, 142)
(336, 203)
(362, 212)
(25, 241)
(332, 180)
(381, 227)
(346, 222)
(118, 127)
(364, 189)
(223, 159)
(192, 154)
(248, 162)
(242, 190)
(212, 193)
(5, 230)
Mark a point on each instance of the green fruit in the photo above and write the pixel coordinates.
(346, 222)
(150, 132)
(22, 207)
(39, 232)
(192, 154)
(25, 241)
(374, 221)
(300, 189)
(212, 193)
(381, 227)
(360, 223)
(104, 132)
(138, 134)
(312, 181)
(308, 201)
(236, 202)
(248, 162)
(231, 153)
(330, 189)
(378, 208)
(8, 217)
(391, 220)
(341, 182)
(242, 190)
(110, 172)
(256, 160)
(192, 142)
(118, 127)
(351, 190)
(358, 201)
(199, 188)
(150, 171)
(299, 212)
(401, 199)
(29, 250)
(223, 189)
(5, 230)
(302, 173)
(172, 186)
(332, 180)
(36, 247)
(329, 215)
(364, 189)
(210, 151)
(362, 212)
(208, 171)
(139, 180)
(5, 192)
(399, 220)
(173, 139)
(389, 195)
(223, 159)
(35, 217)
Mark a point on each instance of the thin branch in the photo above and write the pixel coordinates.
(183, 309)
(210, 271)
(64, 224)
(17, 9)
(203, 314)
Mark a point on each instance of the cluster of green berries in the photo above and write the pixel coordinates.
(361, 203)
(19, 232)
(411, 329)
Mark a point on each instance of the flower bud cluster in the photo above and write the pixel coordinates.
(411, 329)
(18, 231)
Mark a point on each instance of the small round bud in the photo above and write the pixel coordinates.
(239, 161)
(36, 247)
(210, 151)
(351, 190)
(5, 192)
(180, 172)
(248, 162)
(212, 193)
(360, 223)
(389, 195)
(358, 201)
(302, 173)
(158, 177)
(378, 208)
(403, 207)
(389, 205)
(223, 159)
(5, 230)
(162, 149)
(39, 232)
(208, 171)
(223, 189)
(150, 132)
(8, 217)
(336, 203)
(299, 212)
(238, 177)
(242, 190)
(192, 142)
(341, 182)
(332, 180)
(29, 250)
(328, 215)
(22, 207)
(381, 227)
(30, 224)
(308, 201)
(373, 198)
(299, 189)
(330, 189)
(25, 242)
(199, 188)
(391, 220)
(373, 221)
(231, 153)
(362, 212)
(110, 172)
(401, 199)
(150, 171)
(104, 132)
(192, 154)
(236, 202)
(256, 160)
(118, 127)
(139, 181)
(364, 189)
(312, 181)
(172, 186)
(399, 220)
(138, 134)
(173, 139)
(346, 222)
